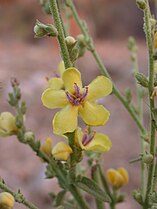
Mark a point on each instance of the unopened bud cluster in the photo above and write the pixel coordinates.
(42, 30)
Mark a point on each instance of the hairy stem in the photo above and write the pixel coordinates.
(96, 178)
(61, 37)
(151, 101)
(17, 196)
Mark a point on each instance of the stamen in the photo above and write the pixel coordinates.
(70, 98)
(84, 93)
(77, 90)
(76, 101)
(84, 138)
(88, 138)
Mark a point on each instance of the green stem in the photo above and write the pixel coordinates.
(104, 183)
(78, 197)
(61, 37)
(155, 178)
(17, 196)
(96, 178)
(140, 113)
(103, 70)
(150, 87)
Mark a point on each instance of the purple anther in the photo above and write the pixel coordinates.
(84, 93)
(84, 138)
(77, 90)
(89, 139)
(76, 101)
(70, 98)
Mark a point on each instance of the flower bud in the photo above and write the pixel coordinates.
(142, 80)
(46, 147)
(6, 200)
(7, 124)
(148, 158)
(154, 93)
(117, 178)
(141, 4)
(114, 178)
(61, 151)
(124, 174)
(137, 196)
(70, 41)
(42, 30)
(29, 136)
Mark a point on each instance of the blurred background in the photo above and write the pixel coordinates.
(31, 60)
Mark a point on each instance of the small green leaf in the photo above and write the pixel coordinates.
(92, 188)
(59, 198)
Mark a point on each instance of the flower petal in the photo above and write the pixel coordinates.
(70, 77)
(65, 120)
(100, 143)
(99, 87)
(93, 114)
(54, 98)
(55, 83)
(61, 67)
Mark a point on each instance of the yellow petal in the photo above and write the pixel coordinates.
(55, 83)
(114, 178)
(99, 87)
(100, 143)
(61, 67)
(93, 114)
(54, 98)
(70, 77)
(61, 151)
(124, 174)
(46, 147)
(65, 120)
(78, 137)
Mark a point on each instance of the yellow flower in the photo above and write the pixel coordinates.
(76, 100)
(57, 82)
(6, 200)
(7, 124)
(61, 151)
(46, 147)
(97, 142)
(117, 178)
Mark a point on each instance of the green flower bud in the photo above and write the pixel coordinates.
(74, 54)
(42, 30)
(81, 40)
(137, 196)
(147, 158)
(70, 41)
(142, 80)
(141, 4)
(29, 136)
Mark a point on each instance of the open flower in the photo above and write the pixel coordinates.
(91, 140)
(76, 100)
(117, 178)
(61, 151)
(7, 124)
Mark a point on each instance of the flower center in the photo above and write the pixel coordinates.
(87, 138)
(77, 98)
